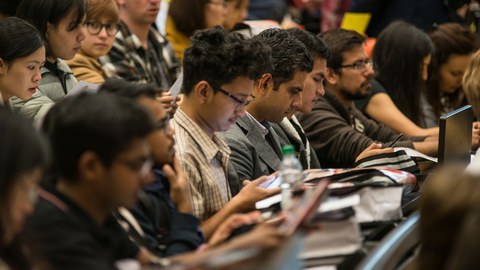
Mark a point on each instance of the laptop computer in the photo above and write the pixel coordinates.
(455, 138)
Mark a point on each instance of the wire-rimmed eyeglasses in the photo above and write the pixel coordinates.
(359, 65)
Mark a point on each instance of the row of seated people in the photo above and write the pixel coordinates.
(217, 97)
(147, 57)
(151, 59)
(139, 52)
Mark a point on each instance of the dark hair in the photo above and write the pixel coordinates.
(289, 55)
(398, 60)
(449, 39)
(464, 253)
(315, 46)
(22, 149)
(444, 207)
(187, 15)
(339, 41)
(18, 39)
(103, 123)
(41, 12)
(219, 57)
(128, 89)
(9, 7)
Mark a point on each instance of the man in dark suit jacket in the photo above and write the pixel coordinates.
(313, 89)
(255, 146)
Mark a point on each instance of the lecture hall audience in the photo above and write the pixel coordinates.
(136, 180)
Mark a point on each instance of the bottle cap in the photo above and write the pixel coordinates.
(288, 149)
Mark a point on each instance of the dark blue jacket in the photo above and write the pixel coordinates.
(167, 231)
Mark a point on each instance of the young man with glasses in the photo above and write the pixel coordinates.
(219, 73)
(101, 160)
(339, 132)
(164, 207)
(256, 147)
(100, 27)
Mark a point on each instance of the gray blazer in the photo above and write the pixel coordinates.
(252, 156)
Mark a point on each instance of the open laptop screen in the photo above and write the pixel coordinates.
(455, 138)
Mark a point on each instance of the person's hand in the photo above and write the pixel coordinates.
(475, 135)
(170, 104)
(263, 236)
(373, 149)
(233, 222)
(179, 186)
(251, 193)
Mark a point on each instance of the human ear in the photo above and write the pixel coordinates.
(89, 166)
(3, 67)
(265, 83)
(330, 76)
(201, 91)
(48, 29)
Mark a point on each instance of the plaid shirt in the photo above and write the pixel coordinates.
(204, 161)
(129, 60)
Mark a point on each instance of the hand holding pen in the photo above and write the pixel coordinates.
(395, 140)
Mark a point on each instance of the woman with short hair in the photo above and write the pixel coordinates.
(100, 28)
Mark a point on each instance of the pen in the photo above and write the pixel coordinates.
(396, 140)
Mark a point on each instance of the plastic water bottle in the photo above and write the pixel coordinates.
(291, 174)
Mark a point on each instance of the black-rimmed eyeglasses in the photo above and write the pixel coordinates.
(94, 28)
(240, 103)
(359, 65)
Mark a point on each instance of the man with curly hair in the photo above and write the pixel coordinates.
(219, 73)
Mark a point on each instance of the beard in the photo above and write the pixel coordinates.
(362, 92)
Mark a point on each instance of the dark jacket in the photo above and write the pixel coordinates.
(167, 231)
(63, 236)
(339, 136)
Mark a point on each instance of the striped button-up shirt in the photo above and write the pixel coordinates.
(129, 60)
(204, 160)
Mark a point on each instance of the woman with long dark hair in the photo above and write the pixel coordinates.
(400, 59)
